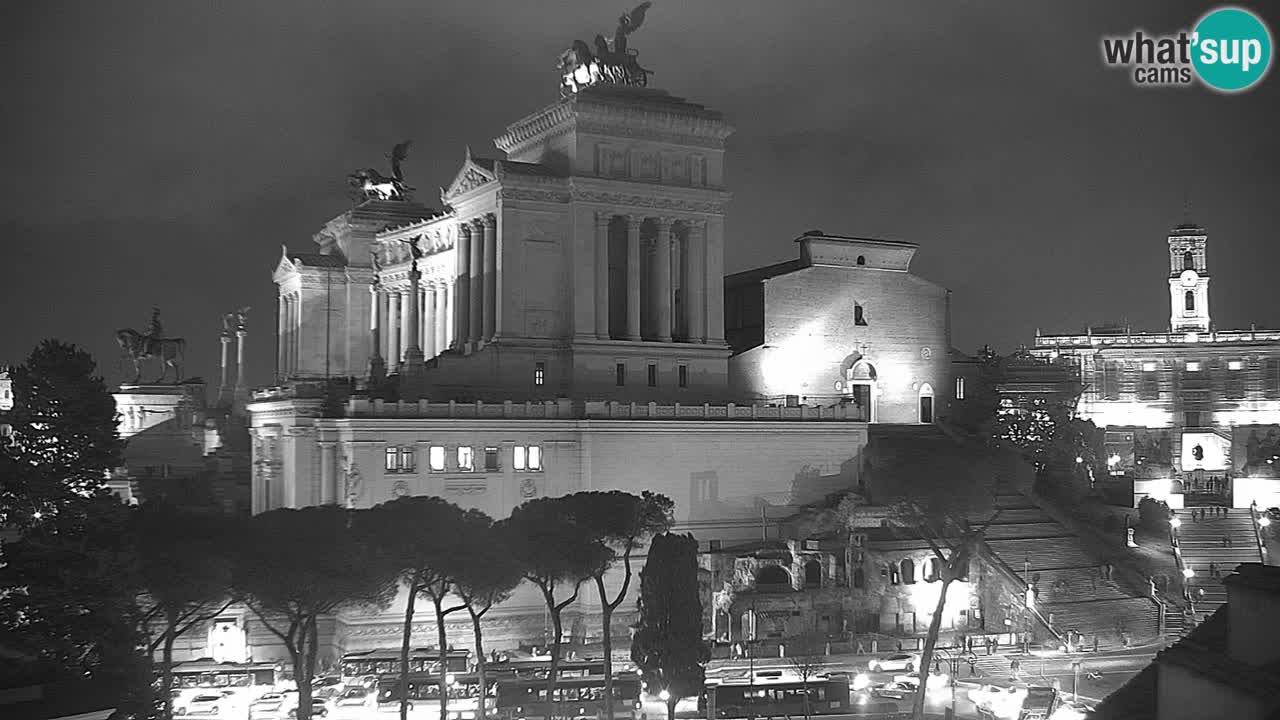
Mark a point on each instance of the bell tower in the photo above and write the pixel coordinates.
(1188, 280)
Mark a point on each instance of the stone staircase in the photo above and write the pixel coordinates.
(1201, 543)
(1072, 592)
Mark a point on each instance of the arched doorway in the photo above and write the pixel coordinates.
(859, 386)
(926, 403)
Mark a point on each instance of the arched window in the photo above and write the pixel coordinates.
(933, 570)
(813, 574)
(1190, 298)
(773, 575)
(894, 577)
(858, 318)
(859, 578)
(908, 572)
(1188, 260)
(926, 403)
(862, 259)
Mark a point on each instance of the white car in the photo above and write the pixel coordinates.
(273, 705)
(982, 695)
(210, 703)
(355, 697)
(937, 681)
(891, 663)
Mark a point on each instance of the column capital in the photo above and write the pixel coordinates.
(603, 218)
(489, 220)
(664, 224)
(634, 220)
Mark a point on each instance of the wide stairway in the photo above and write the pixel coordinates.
(1202, 543)
(1071, 590)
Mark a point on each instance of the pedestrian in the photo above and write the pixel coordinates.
(1095, 642)
(1213, 569)
(1228, 539)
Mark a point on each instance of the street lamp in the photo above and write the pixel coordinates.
(1175, 523)
(1264, 521)
(1188, 573)
(1075, 682)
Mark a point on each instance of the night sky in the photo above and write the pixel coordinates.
(159, 153)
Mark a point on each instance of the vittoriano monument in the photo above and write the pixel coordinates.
(152, 346)
(610, 63)
(369, 184)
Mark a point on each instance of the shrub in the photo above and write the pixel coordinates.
(1153, 514)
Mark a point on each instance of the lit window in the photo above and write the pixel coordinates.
(1148, 367)
(653, 375)
(491, 459)
(683, 376)
(1235, 365)
(393, 459)
(466, 458)
(527, 458)
(959, 388)
(1193, 366)
(620, 370)
(539, 373)
(407, 463)
(436, 457)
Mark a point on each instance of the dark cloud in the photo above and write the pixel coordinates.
(160, 153)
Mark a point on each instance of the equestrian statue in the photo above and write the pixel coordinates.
(152, 346)
(369, 184)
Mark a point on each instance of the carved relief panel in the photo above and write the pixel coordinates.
(647, 166)
(611, 161)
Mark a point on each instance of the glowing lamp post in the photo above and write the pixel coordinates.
(1188, 573)
(1075, 682)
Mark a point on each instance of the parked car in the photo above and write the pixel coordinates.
(355, 697)
(319, 708)
(891, 663)
(983, 695)
(937, 681)
(272, 706)
(202, 704)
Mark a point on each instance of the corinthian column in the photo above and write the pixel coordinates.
(633, 277)
(223, 390)
(393, 329)
(662, 284)
(461, 291)
(695, 289)
(476, 330)
(377, 367)
(490, 327)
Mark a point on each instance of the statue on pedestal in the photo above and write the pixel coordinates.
(154, 345)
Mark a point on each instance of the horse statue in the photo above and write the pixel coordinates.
(369, 184)
(138, 347)
(611, 62)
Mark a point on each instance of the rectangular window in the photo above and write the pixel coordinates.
(436, 457)
(959, 388)
(1192, 419)
(407, 463)
(535, 458)
(620, 370)
(1148, 367)
(393, 459)
(539, 373)
(518, 457)
(1111, 381)
(683, 375)
(1193, 366)
(1272, 371)
(491, 459)
(466, 458)
(1234, 385)
(653, 375)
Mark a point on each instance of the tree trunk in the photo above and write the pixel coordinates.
(554, 671)
(482, 707)
(926, 657)
(404, 650)
(302, 658)
(166, 683)
(606, 615)
(438, 600)
(672, 701)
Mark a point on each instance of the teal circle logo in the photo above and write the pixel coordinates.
(1231, 49)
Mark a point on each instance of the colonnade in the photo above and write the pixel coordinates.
(671, 256)
(392, 317)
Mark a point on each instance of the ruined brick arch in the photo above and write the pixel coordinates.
(908, 571)
(773, 575)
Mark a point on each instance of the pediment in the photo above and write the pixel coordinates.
(285, 267)
(471, 176)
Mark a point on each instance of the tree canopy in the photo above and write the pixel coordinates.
(65, 440)
(667, 645)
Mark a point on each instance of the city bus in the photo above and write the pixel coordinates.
(363, 668)
(241, 683)
(539, 667)
(577, 695)
(783, 695)
(424, 694)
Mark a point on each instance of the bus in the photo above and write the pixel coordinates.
(363, 668)
(423, 691)
(782, 695)
(578, 696)
(540, 667)
(241, 683)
